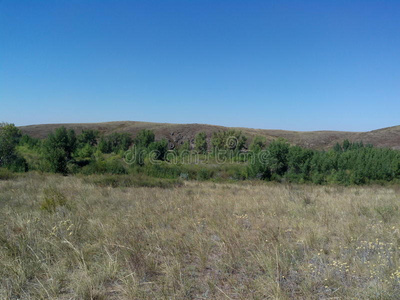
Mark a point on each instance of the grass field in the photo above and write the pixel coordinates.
(69, 238)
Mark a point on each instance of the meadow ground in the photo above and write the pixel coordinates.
(68, 238)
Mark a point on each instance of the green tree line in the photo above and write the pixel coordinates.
(90, 152)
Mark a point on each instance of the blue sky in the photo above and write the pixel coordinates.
(299, 65)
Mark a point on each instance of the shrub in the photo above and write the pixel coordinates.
(95, 167)
(19, 164)
(115, 167)
(52, 198)
(200, 142)
(204, 174)
(258, 143)
(6, 174)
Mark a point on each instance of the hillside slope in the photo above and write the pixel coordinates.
(178, 133)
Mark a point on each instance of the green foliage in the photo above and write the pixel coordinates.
(200, 143)
(159, 149)
(184, 149)
(115, 142)
(277, 160)
(144, 138)
(258, 144)
(10, 136)
(85, 151)
(88, 137)
(115, 166)
(111, 165)
(162, 170)
(298, 163)
(205, 174)
(228, 140)
(348, 163)
(29, 141)
(257, 168)
(58, 149)
(57, 159)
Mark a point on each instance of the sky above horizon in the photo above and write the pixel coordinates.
(295, 65)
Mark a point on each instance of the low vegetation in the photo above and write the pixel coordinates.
(77, 237)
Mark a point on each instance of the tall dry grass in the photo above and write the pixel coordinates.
(62, 238)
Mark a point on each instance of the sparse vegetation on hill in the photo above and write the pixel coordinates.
(177, 134)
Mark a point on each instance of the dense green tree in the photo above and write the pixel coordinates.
(85, 152)
(200, 143)
(88, 137)
(277, 161)
(144, 138)
(159, 149)
(337, 148)
(10, 136)
(104, 146)
(29, 141)
(296, 159)
(258, 143)
(58, 149)
(115, 142)
(228, 140)
(346, 145)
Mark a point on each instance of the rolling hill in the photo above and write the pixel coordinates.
(178, 133)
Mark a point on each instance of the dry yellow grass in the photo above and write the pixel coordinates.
(61, 238)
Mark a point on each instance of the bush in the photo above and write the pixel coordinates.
(52, 198)
(95, 167)
(19, 164)
(204, 174)
(115, 167)
(6, 174)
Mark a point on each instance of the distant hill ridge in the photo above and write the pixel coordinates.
(178, 133)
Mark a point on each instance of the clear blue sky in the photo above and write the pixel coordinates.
(301, 65)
